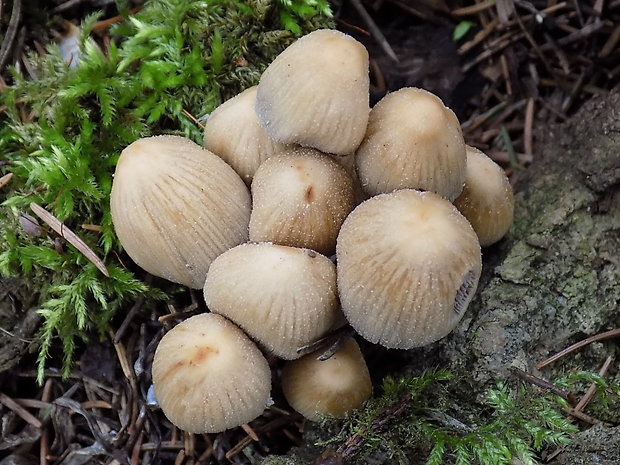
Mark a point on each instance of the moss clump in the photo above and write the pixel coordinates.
(429, 420)
(61, 136)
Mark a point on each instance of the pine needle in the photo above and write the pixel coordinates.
(70, 236)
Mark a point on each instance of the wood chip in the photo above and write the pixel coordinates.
(96, 404)
(70, 236)
(92, 227)
(4, 180)
(505, 9)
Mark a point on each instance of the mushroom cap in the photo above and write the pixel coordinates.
(487, 200)
(316, 93)
(283, 297)
(408, 266)
(175, 207)
(412, 141)
(209, 376)
(232, 132)
(327, 388)
(300, 200)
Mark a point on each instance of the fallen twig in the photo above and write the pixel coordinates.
(374, 30)
(592, 389)
(598, 337)
(20, 411)
(541, 383)
(11, 32)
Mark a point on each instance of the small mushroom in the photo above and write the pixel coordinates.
(412, 141)
(300, 200)
(282, 297)
(487, 200)
(175, 207)
(327, 388)
(316, 92)
(232, 132)
(408, 266)
(209, 376)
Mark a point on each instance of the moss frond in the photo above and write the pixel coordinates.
(62, 134)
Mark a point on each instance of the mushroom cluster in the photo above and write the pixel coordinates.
(293, 171)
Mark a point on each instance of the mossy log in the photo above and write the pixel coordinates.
(555, 278)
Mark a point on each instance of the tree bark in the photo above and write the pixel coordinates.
(556, 278)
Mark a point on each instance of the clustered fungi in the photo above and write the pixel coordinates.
(305, 140)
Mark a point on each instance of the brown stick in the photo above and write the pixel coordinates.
(592, 389)
(473, 9)
(582, 33)
(541, 383)
(528, 128)
(20, 411)
(11, 32)
(598, 337)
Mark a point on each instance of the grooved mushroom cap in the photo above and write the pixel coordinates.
(300, 200)
(486, 200)
(209, 376)
(175, 207)
(412, 141)
(282, 297)
(232, 132)
(316, 92)
(408, 266)
(328, 388)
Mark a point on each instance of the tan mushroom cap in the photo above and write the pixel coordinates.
(209, 376)
(487, 200)
(412, 141)
(300, 200)
(316, 92)
(408, 266)
(328, 388)
(175, 207)
(282, 297)
(232, 132)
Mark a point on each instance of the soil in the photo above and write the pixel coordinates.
(552, 282)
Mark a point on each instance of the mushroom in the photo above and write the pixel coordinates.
(300, 200)
(327, 388)
(487, 200)
(316, 92)
(412, 141)
(283, 297)
(232, 132)
(208, 376)
(175, 207)
(408, 266)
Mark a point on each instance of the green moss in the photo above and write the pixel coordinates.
(433, 420)
(61, 136)
(442, 425)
